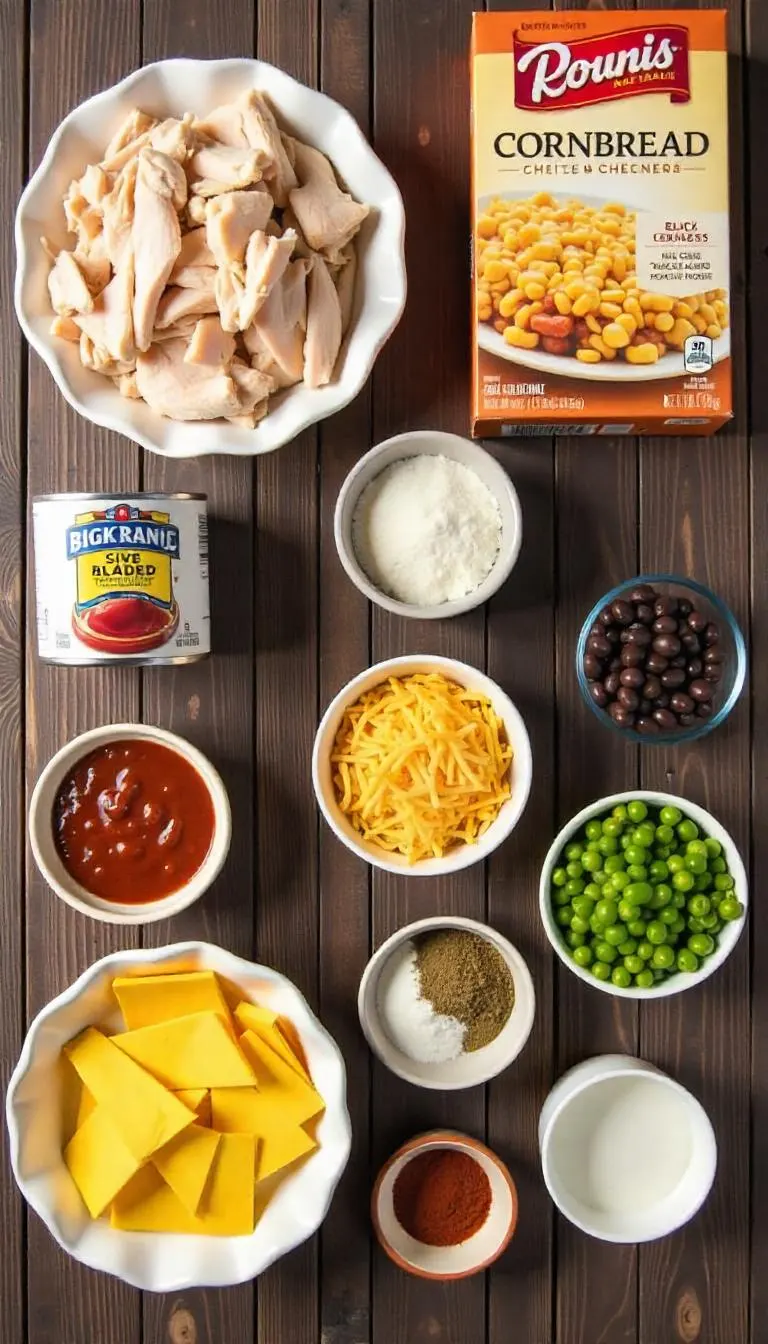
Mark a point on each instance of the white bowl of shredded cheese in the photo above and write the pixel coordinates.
(428, 525)
(516, 783)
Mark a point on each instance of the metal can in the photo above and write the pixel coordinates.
(122, 578)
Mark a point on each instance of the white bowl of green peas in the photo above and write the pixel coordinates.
(643, 894)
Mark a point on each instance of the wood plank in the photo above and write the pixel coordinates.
(344, 650)
(73, 54)
(420, 120)
(12, 570)
(287, 912)
(211, 702)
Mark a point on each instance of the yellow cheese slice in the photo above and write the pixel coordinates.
(244, 1110)
(185, 1163)
(275, 1079)
(99, 1162)
(145, 1115)
(147, 999)
(198, 1099)
(148, 1204)
(192, 1051)
(266, 1024)
(86, 1107)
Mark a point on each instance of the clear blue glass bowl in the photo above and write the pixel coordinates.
(734, 665)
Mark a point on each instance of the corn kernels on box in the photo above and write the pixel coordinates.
(601, 300)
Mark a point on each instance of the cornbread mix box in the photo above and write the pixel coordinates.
(600, 223)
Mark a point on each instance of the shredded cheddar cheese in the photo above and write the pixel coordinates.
(421, 764)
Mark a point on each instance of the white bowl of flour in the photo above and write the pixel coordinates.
(428, 525)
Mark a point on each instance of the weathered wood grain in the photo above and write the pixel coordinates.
(73, 53)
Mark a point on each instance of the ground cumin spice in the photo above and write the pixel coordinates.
(442, 1197)
(464, 976)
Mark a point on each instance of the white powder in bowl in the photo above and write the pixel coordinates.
(427, 530)
(410, 1021)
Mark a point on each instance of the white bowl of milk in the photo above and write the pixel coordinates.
(628, 1155)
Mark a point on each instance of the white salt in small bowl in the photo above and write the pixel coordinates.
(468, 1070)
(431, 442)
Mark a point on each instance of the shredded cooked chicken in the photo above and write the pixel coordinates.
(213, 264)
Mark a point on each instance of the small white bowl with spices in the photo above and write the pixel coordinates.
(479, 1015)
(428, 525)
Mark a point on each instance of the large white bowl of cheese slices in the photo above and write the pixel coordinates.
(37, 1107)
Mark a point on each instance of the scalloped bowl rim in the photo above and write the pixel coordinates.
(728, 936)
(196, 1261)
(375, 319)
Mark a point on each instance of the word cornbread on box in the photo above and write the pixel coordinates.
(600, 223)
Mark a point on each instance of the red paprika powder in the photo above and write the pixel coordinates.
(442, 1197)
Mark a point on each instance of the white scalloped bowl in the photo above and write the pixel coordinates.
(158, 1261)
(171, 88)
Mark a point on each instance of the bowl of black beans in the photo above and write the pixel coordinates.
(661, 659)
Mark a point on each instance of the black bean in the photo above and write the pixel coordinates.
(622, 611)
(713, 654)
(697, 621)
(598, 693)
(665, 606)
(643, 593)
(665, 625)
(690, 642)
(640, 635)
(711, 634)
(686, 720)
(681, 703)
(612, 683)
(592, 666)
(662, 701)
(645, 707)
(646, 726)
(655, 663)
(632, 676)
(672, 678)
(606, 616)
(695, 667)
(700, 690)
(678, 661)
(613, 633)
(628, 698)
(596, 629)
(667, 645)
(614, 665)
(665, 719)
(684, 606)
(644, 613)
(713, 673)
(652, 688)
(598, 645)
(620, 715)
(631, 655)
(704, 710)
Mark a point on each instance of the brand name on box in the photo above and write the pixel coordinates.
(598, 69)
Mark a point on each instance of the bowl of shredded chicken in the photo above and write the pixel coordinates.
(210, 256)
(422, 765)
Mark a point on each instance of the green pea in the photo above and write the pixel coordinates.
(699, 905)
(714, 848)
(620, 880)
(637, 927)
(600, 877)
(682, 881)
(574, 850)
(621, 977)
(564, 915)
(613, 826)
(593, 829)
(695, 925)
(664, 835)
(724, 882)
(688, 830)
(637, 893)
(592, 893)
(708, 921)
(662, 895)
(614, 864)
(579, 925)
(697, 847)
(716, 928)
(607, 911)
(730, 908)
(663, 957)
(678, 926)
(687, 960)
(607, 844)
(637, 872)
(582, 955)
(679, 899)
(628, 947)
(667, 916)
(601, 970)
(645, 951)
(663, 852)
(574, 886)
(591, 861)
(675, 863)
(605, 952)
(644, 980)
(635, 854)
(656, 932)
(584, 906)
(560, 896)
(559, 877)
(573, 869)
(705, 882)
(658, 871)
(718, 865)
(620, 810)
(658, 974)
(574, 939)
(670, 816)
(701, 944)
(644, 835)
(696, 864)
(614, 934)
(634, 964)
(625, 839)
(596, 925)
(637, 810)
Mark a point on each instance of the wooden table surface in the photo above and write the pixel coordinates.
(289, 629)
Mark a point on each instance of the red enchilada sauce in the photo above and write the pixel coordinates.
(133, 821)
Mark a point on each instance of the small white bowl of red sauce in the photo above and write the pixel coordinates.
(129, 823)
